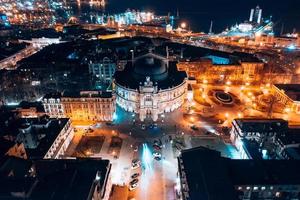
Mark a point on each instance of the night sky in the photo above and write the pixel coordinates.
(224, 13)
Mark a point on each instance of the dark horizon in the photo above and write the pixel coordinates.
(224, 13)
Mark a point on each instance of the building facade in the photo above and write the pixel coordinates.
(205, 70)
(204, 174)
(89, 106)
(81, 106)
(288, 95)
(61, 142)
(150, 86)
(261, 132)
(103, 70)
(53, 106)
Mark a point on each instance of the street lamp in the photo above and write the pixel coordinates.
(183, 25)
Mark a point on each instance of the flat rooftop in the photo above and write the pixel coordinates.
(55, 179)
(262, 125)
(291, 90)
(212, 177)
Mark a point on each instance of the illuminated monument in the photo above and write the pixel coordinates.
(150, 85)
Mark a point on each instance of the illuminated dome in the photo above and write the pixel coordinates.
(150, 85)
(155, 68)
(162, 72)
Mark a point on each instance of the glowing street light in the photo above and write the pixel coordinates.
(240, 115)
(192, 119)
(183, 25)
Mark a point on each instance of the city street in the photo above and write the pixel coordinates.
(157, 179)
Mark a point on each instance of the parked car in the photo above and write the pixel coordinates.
(156, 154)
(133, 186)
(135, 175)
(136, 163)
(134, 181)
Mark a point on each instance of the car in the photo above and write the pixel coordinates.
(208, 133)
(109, 124)
(195, 128)
(143, 127)
(156, 147)
(157, 158)
(136, 163)
(134, 181)
(135, 166)
(133, 186)
(157, 142)
(135, 175)
(156, 154)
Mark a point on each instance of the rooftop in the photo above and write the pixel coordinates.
(291, 90)
(291, 137)
(212, 177)
(54, 179)
(164, 75)
(262, 125)
(87, 94)
(43, 131)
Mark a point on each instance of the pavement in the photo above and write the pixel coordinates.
(157, 179)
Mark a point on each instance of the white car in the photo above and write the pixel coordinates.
(136, 163)
(156, 154)
(133, 186)
(143, 126)
(135, 166)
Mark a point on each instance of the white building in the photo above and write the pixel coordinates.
(62, 141)
(261, 131)
(150, 86)
(53, 106)
(42, 42)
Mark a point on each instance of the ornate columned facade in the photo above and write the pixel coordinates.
(150, 86)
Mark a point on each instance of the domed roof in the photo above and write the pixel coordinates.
(150, 66)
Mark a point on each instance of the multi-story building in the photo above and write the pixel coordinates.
(222, 68)
(89, 106)
(204, 174)
(287, 146)
(103, 70)
(53, 106)
(81, 106)
(288, 95)
(42, 137)
(265, 139)
(150, 86)
(261, 131)
(48, 179)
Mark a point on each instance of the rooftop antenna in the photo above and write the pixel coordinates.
(177, 13)
(211, 26)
